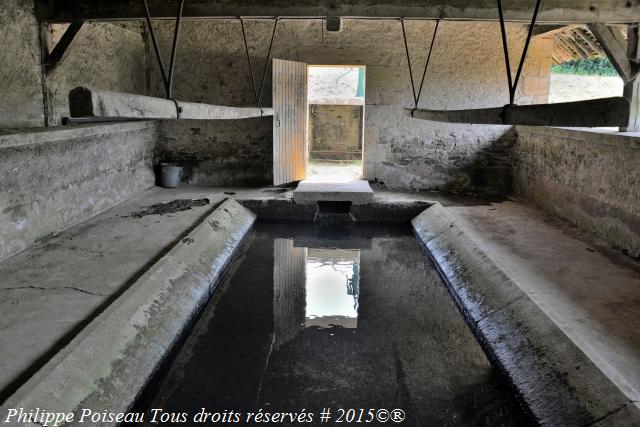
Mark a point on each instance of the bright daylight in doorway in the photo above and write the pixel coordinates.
(336, 123)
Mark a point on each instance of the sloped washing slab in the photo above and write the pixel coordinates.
(559, 382)
(109, 362)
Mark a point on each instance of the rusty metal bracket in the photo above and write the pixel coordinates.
(167, 75)
(258, 93)
(416, 96)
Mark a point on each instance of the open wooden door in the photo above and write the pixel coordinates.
(290, 119)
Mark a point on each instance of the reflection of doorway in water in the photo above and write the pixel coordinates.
(332, 286)
(313, 287)
(288, 290)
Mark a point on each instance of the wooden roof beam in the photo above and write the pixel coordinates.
(616, 53)
(60, 51)
(583, 34)
(549, 30)
(553, 11)
(570, 41)
(575, 55)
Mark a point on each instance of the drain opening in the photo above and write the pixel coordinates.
(334, 207)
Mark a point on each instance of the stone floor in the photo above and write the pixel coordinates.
(52, 290)
(591, 291)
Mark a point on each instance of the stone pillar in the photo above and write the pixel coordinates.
(536, 75)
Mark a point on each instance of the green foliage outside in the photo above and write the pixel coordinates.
(586, 67)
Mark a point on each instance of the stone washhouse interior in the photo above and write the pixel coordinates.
(414, 213)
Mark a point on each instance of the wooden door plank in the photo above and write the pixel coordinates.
(290, 121)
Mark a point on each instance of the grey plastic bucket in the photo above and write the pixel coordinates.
(170, 175)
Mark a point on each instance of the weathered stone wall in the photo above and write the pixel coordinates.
(467, 71)
(335, 132)
(53, 178)
(220, 152)
(103, 56)
(20, 73)
(589, 178)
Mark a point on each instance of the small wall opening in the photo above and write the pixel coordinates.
(336, 122)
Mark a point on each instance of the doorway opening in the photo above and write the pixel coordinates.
(336, 97)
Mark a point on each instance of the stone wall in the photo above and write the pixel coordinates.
(54, 178)
(335, 132)
(467, 71)
(103, 56)
(589, 178)
(219, 152)
(20, 73)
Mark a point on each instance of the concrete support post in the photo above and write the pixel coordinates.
(632, 92)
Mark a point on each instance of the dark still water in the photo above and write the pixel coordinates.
(356, 319)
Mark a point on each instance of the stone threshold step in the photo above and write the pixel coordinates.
(357, 192)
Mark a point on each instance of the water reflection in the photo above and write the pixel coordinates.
(331, 285)
(313, 287)
(260, 342)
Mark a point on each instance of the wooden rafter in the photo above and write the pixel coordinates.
(591, 45)
(550, 30)
(569, 48)
(616, 53)
(577, 47)
(60, 51)
(572, 42)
